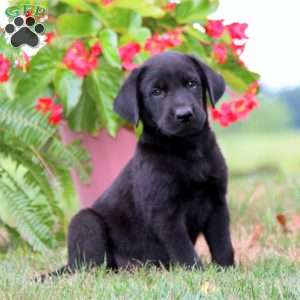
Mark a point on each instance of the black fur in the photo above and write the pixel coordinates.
(174, 188)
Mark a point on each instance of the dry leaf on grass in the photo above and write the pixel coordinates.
(282, 221)
(289, 224)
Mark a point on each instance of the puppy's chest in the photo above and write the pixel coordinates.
(193, 173)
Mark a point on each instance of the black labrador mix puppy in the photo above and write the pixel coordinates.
(174, 188)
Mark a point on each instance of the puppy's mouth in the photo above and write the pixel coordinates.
(181, 129)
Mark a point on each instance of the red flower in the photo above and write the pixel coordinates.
(237, 49)
(160, 43)
(216, 114)
(251, 101)
(219, 52)
(154, 44)
(56, 114)
(127, 55)
(214, 28)
(96, 50)
(237, 30)
(46, 105)
(49, 36)
(234, 110)
(81, 60)
(4, 68)
(170, 6)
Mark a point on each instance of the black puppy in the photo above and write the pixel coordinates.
(174, 188)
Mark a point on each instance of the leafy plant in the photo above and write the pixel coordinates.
(36, 190)
(95, 43)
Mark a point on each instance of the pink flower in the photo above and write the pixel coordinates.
(4, 68)
(81, 60)
(160, 43)
(127, 55)
(219, 52)
(237, 30)
(215, 28)
(106, 2)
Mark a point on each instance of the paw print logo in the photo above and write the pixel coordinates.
(24, 32)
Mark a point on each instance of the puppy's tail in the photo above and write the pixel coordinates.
(63, 270)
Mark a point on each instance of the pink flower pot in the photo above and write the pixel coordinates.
(109, 155)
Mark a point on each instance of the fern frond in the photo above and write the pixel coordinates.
(35, 178)
(32, 220)
(32, 129)
(35, 175)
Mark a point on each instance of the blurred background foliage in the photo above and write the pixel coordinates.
(269, 140)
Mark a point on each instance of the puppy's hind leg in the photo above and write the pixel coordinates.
(88, 243)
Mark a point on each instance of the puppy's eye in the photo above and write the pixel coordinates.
(156, 92)
(191, 84)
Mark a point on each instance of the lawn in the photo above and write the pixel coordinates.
(265, 210)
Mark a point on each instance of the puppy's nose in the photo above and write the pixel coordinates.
(184, 113)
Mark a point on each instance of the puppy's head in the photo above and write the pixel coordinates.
(168, 92)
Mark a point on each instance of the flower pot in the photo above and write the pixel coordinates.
(108, 155)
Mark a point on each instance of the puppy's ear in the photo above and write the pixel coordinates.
(127, 103)
(214, 82)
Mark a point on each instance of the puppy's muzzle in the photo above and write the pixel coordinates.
(184, 114)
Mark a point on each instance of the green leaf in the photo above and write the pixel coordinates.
(194, 46)
(78, 4)
(237, 76)
(104, 86)
(239, 80)
(123, 20)
(234, 81)
(195, 10)
(85, 117)
(141, 57)
(77, 25)
(147, 8)
(43, 68)
(94, 9)
(68, 87)
(139, 35)
(7, 50)
(109, 43)
(197, 34)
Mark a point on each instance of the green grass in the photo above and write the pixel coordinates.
(273, 278)
(268, 259)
